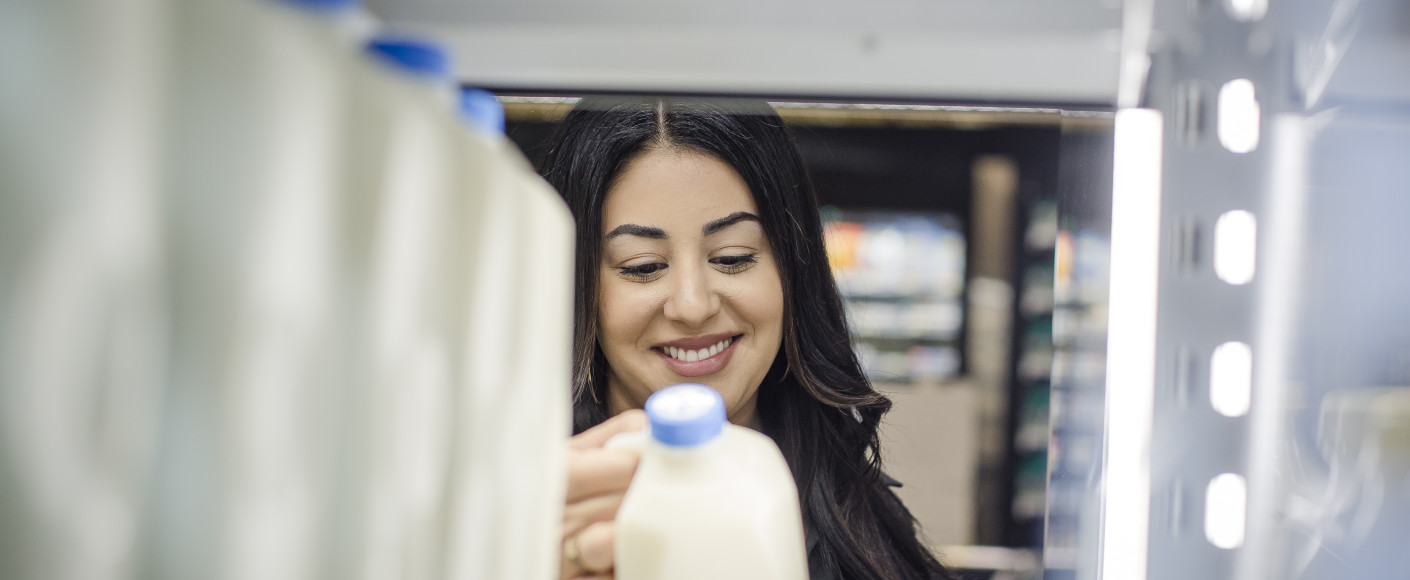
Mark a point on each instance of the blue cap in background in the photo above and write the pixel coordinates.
(322, 5)
(418, 57)
(481, 108)
(686, 414)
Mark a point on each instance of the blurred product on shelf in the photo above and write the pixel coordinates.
(1076, 397)
(1033, 366)
(902, 279)
(275, 302)
(256, 96)
(84, 305)
(895, 254)
(1081, 267)
(403, 114)
(507, 503)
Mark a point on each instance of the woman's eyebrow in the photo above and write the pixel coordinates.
(636, 230)
(727, 221)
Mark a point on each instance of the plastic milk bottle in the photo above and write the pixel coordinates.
(709, 499)
(83, 311)
(256, 123)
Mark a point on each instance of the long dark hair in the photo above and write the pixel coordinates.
(815, 403)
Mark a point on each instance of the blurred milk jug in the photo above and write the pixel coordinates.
(709, 499)
(401, 262)
(250, 438)
(514, 412)
(83, 306)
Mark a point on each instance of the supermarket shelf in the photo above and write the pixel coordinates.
(994, 558)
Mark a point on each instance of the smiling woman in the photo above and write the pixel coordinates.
(701, 259)
(689, 287)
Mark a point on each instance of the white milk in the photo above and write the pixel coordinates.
(540, 415)
(514, 410)
(709, 500)
(492, 340)
(82, 305)
(257, 116)
(402, 284)
(487, 314)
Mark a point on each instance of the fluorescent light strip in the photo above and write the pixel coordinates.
(1130, 371)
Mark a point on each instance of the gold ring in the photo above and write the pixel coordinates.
(570, 549)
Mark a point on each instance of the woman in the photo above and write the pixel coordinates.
(700, 259)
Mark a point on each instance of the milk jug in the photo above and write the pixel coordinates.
(709, 499)
(258, 90)
(401, 180)
(545, 360)
(493, 242)
(513, 411)
(83, 314)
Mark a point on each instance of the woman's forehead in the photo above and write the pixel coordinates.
(675, 190)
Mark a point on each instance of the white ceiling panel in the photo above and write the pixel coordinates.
(992, 50)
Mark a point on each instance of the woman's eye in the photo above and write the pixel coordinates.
(734, 263)
(643, 271)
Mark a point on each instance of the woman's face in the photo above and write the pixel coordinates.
(689, 290)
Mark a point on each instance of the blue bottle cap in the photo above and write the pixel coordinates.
(418, 57)
(481, 108)
(686, 414)
(322, 5)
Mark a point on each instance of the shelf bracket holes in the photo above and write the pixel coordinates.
(1225, 502)
(1238, 116)
(1235, 246)
(1231, 379)
(1247, 10)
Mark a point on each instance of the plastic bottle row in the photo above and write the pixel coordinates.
(276, 301)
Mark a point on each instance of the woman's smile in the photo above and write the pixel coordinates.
(699, 356)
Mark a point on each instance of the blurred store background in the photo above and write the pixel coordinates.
(942, 230)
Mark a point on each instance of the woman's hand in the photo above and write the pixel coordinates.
(597, 480)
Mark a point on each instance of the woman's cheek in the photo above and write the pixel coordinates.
(626, 309)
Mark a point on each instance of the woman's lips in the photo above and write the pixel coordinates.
(699, 368)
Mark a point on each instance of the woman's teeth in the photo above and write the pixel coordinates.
(695, 355)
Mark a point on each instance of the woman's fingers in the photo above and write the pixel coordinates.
(597, 480)
(593, 470)
(589, 553)
(598, 471)
(579, 515)
(595, 545)
(626, 421)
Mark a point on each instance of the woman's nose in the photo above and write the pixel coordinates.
(692, 301)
